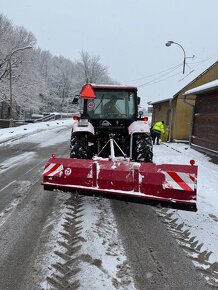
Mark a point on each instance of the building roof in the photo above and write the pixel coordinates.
(179, 86)
(203, 88)
(196, 78)
(160, 101)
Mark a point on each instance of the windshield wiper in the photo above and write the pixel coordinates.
(99, 102)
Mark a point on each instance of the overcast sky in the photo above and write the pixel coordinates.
(128, 35)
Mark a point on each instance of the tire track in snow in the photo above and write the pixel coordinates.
(82, 249)
(181, 227)
(192, 247)
(65, 270)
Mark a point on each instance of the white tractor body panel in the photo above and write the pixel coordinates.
(89, 128)
(139, 127)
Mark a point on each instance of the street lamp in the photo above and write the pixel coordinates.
(11, 124)
(172, 42)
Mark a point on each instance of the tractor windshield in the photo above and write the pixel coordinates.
(112, 105)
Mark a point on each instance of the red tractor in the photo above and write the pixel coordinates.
(111, 154)
(110, 111)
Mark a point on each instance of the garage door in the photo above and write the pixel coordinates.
(205, 126)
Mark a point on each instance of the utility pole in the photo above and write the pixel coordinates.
(11, 123)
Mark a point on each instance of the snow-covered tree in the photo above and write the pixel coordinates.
(37, 80)
(89, 69)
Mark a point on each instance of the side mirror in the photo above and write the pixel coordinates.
(75, 100)
(140, 114)
(138, 100)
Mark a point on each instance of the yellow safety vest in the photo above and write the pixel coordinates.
(159, 126)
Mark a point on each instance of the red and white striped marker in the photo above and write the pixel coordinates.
(53, 169)
(179, 180)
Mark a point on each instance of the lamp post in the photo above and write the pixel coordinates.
(11, 124)
(172, 42)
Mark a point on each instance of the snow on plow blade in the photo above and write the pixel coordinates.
(168, 184)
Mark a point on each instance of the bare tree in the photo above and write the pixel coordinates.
(91, 67)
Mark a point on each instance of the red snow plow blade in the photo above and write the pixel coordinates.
(169, 184)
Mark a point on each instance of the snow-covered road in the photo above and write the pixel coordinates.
(101, 255)
(197, 233)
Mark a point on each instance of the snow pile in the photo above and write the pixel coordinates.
(13, 133)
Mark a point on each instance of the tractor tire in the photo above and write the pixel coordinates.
(143, 148)
(78, 146)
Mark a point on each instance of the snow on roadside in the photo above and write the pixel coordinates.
(201, 227)
(8, 134)
(13, 161)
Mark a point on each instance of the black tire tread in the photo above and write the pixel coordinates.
(78, 146)
(143, 147)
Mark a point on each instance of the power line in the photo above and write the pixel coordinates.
(156, 80)
(168, 71)
(154, 74)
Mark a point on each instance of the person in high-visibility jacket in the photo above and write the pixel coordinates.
(156, 132)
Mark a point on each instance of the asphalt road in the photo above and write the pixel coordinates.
(24, 205)
(156, 260)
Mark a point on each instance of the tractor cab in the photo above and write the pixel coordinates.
(113, 104)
